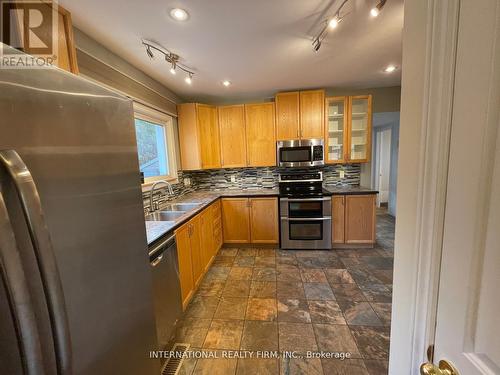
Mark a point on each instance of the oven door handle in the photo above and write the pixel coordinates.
(306, 199)
(324, 218)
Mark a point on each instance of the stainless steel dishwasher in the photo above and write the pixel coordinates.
(166, 288)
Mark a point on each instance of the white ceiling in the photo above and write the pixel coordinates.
(261, 46)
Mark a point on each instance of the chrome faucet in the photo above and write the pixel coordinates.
(152, 191)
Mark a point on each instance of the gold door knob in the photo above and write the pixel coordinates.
(444, 368)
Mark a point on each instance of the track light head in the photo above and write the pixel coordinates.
(316, 45)
(334, 22)
(375, 11)
(149, 52)
(189, 79)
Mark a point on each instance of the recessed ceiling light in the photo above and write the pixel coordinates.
(226, 83)
(390, 69)
(179, 14)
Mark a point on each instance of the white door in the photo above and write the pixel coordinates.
(384, 164)
(468, 308)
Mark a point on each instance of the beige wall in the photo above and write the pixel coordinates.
(385, 99)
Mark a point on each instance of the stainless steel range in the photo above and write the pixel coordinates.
(305, 211)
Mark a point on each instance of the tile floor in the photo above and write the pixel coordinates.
(277, 300)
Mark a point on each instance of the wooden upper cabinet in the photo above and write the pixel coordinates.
(235, 220)
(198, 136)
(360, 217)
(66, 54)
(300, 115)
(232, 136)
(360, 128)
(312, 109)
(336, 114)
(260, 135)
(209, 136)
(348, 129)
(287, 115)
(264, 220)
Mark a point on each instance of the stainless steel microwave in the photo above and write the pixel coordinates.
(300, 153)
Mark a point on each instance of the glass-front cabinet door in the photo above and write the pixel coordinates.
(359, 128)
(336, 129)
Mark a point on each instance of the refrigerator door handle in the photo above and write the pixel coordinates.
(40, 237)
(19, 296)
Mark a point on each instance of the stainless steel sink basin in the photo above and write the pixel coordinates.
(164, 215)
(183, 206)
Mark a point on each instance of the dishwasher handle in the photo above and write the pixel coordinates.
(165, 244)
(157, 260)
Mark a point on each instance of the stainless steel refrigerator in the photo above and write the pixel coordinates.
(76, 285)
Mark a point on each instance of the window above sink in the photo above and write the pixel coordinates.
(155, 144)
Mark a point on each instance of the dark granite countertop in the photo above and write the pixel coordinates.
(357, 190)
(157, 229)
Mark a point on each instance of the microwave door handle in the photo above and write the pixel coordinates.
(42, 244)
(19, 296)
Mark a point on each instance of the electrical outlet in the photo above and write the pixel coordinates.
(187, 181)
(233, 178)
(342, 174)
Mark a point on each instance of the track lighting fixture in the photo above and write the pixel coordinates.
(377, 9)
(170, 58)
(316, 45)
(332, 23)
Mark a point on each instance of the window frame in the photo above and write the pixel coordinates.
(156, 117)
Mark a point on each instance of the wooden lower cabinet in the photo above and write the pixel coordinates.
(183, 239)
(217, 226)
(236, 220)
(338, 218)
(264, 220)
(207, 237)
(196, 253)
(250, 220)
(354, 220)
(197, 244)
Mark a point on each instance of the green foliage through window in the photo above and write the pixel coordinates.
(153, 159)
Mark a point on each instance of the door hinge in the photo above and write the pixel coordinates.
(430, 353)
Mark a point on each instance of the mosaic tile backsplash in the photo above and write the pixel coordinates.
(256, 178)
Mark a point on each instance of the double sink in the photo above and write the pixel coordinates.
(172, 212)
